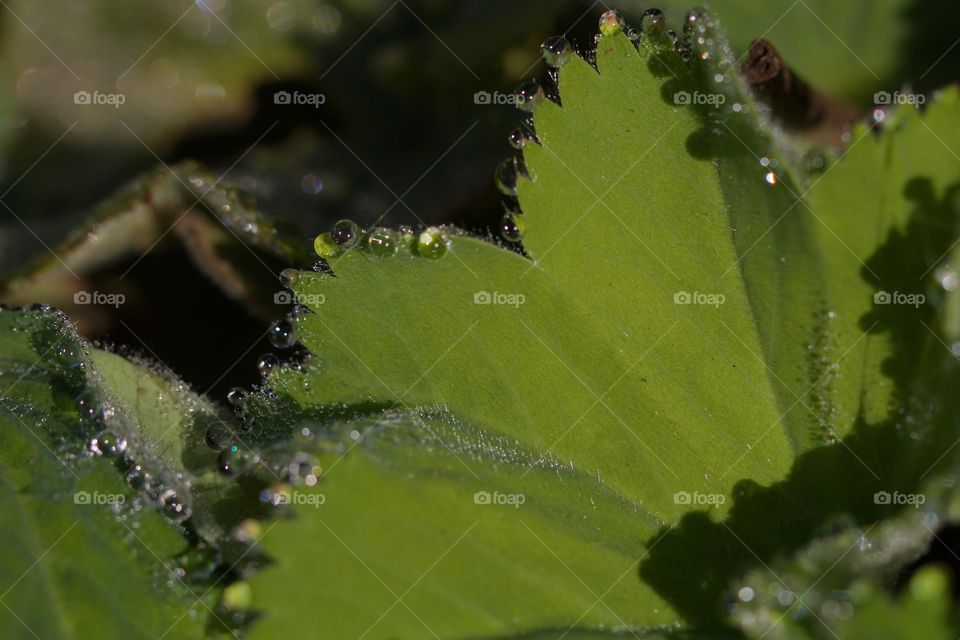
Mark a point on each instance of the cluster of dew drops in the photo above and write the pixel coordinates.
(557, 51)
(346, 235)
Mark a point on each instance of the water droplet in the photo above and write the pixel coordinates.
(107, 444)
(282, 335)
(175, 509)
(138, 478)
(383, 243)
(87, 405)
(511, 228)
(523, 170)
(947, 277)
(345, 234)
(770, 177)
(289, 277)
(611, 23)
(236, 396)
(325, 247)
(517, 139)
(652, 19)
(695, 22)
(633, 34)
(67, 357)
(217, 436)
(312, 184)
(231, 460)
(267, 363)
(529, 96)
(506, 177)
(304, 469)
(555, 51)
(433, 243)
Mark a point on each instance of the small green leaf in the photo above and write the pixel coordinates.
(84, 554)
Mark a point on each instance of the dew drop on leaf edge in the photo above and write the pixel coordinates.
(289, 277)
(267, 363)
(383, 243)
(282, 335)
(324, 246)
(345, 234)
(511, 228)
(506, 177)
(611, 23)
(517, 139)
(529, 96)
(432, 243)
(555, 51)
(236, 396)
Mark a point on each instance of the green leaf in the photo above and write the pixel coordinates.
(85, 555)
(775, 403)
(694, 335)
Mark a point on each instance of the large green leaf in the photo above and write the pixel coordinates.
(786, 400)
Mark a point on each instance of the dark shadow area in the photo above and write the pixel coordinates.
(834, 483)
(943, 552)
(928, 62)
(192, 316)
